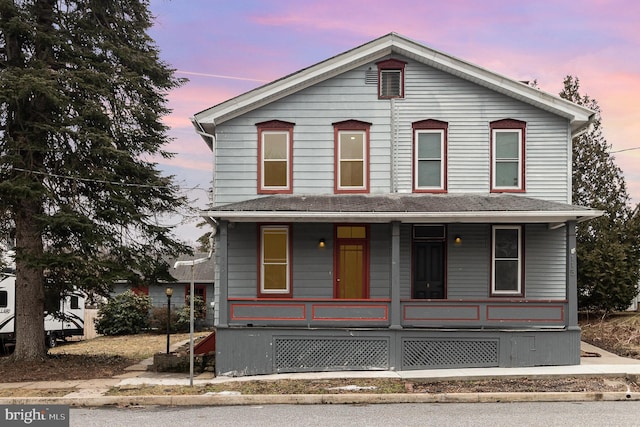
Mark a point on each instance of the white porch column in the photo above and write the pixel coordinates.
(572, 275)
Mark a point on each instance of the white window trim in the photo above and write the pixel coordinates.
(387, 73)
(495, 291)
(365, 166)
(494, 160)
(262, 263)
(416, 159)
(264, 160)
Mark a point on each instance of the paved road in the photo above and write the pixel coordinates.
(583, 414)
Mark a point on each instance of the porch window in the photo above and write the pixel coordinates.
(507, 155)
(391, 79)
(275, 153)
(351, 157)
(506, 277)
(274, 261)
(429, 156)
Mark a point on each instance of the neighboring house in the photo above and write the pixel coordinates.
(203, 274)
(396, 208)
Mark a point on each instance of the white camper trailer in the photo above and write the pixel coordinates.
(69, 321)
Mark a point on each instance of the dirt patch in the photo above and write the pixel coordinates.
(24, 392)
(619, 333)
(102, 357)
(384, 386)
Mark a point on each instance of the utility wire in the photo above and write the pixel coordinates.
(101, 181)
(626, 149)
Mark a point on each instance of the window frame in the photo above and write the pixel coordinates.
(391, 65)
(275, 127)
(520, 259)
(351, 126)
(202, 314)
(430, 126)
(287, 292)
(509, 125)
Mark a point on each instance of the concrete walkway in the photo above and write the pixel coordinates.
(596, 362)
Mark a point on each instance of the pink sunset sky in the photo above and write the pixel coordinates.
(226, 48)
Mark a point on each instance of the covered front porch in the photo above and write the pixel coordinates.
(432, 287)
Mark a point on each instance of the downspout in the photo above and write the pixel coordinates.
(394, 146)
(210, 140)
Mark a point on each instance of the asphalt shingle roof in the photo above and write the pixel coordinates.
(416, 203)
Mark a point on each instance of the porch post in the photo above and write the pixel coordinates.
(572, 275)
(222, 259)
(396, 318)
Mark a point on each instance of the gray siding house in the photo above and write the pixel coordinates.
(202, 277)
(393, 208)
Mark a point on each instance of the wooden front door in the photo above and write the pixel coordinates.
(352, 263)
(428, 270)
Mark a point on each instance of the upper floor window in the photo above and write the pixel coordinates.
(391, 78)
(429, 156)
(275, 277)
(506, 257)
(351, 168)
(275, 147)
(507, 155)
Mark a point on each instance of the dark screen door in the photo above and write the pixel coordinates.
(428, 270)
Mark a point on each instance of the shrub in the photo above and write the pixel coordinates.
(124, 314)
(179, 317)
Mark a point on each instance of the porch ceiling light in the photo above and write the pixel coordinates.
(457, 240)
(321, 243)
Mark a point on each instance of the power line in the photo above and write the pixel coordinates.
(626, 149)
(101, 181)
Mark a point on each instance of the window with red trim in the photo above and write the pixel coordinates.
(275, 261)
(508, 155)
(430, 156)
(275, 152)
(351, 170)
(199, 309)
(507, 260)
(391, 79)
(140, 290)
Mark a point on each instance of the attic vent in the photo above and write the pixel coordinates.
(371, 77)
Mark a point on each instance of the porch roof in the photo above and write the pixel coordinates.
(410, 208)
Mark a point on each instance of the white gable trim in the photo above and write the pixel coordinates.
(579, 117)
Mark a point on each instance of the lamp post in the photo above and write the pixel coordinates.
(168, 292)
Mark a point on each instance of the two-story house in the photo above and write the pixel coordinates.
(394, 208)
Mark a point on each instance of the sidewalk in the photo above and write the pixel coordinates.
(92, 392)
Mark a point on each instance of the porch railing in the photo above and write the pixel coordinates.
(375, 313)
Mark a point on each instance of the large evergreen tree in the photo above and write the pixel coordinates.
(607, 247)
(82, 92)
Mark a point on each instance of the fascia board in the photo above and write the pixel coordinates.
(498, 82)
(409, 217)
(577, 115)
(295, 82)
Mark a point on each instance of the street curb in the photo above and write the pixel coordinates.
(317, 399)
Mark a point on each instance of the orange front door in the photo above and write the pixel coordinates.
(352, 264)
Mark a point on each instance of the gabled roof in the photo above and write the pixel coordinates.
(412, 208)
(390, 44)
(203, 272)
